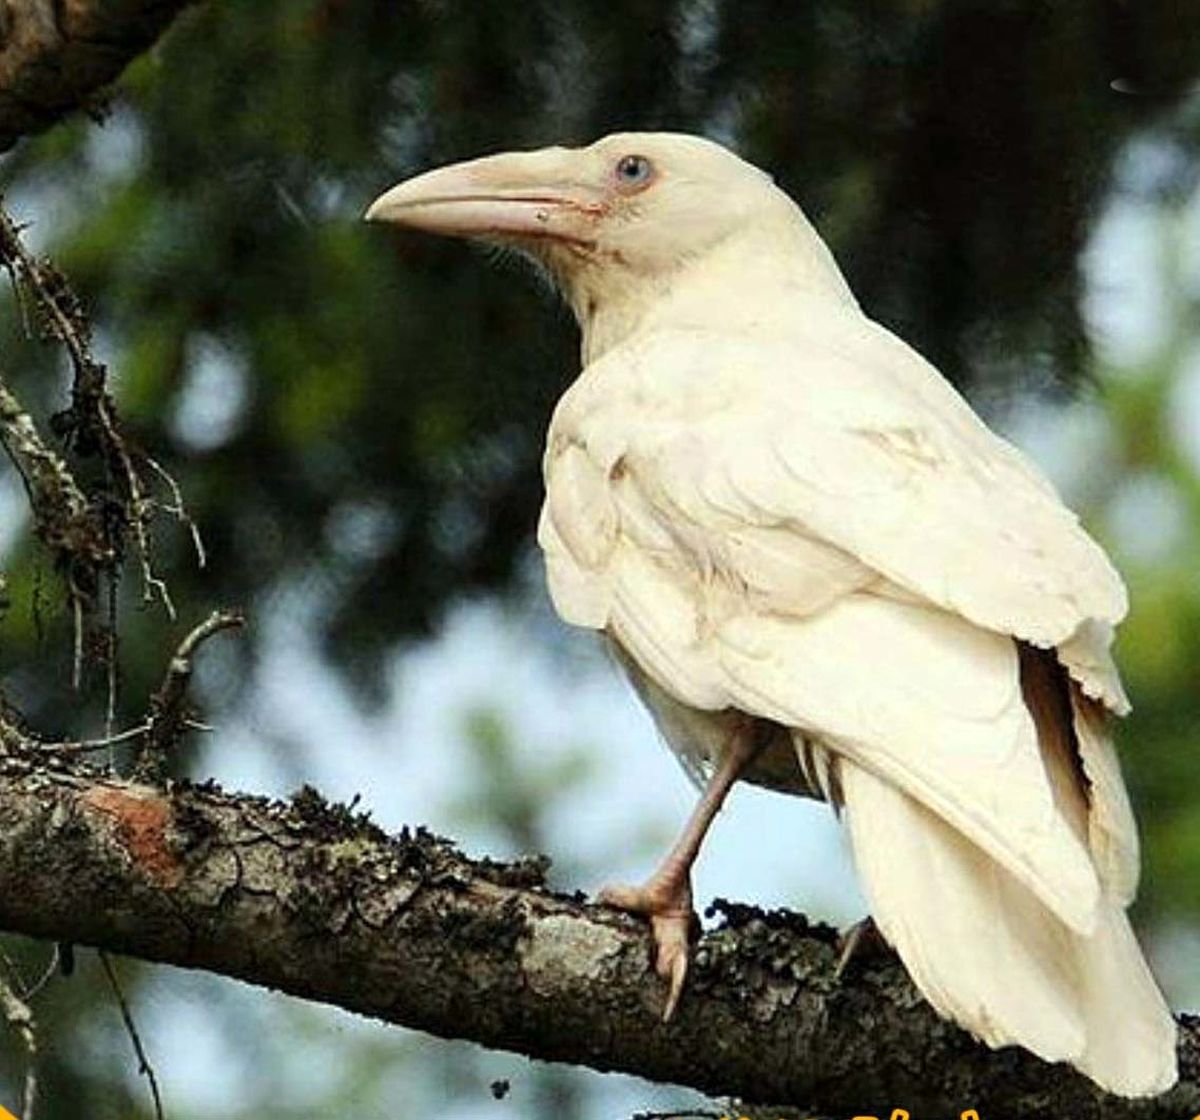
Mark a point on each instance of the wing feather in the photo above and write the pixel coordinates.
(815, 528)
(931, 704)
(839, 433)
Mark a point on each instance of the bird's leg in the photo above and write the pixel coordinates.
(666, 897)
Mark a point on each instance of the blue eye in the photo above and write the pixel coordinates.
(633, 171)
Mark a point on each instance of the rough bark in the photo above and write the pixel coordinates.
(314, 901)
(56, 55)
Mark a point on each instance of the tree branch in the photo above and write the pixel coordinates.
(167, 718)
(317, 902)
(63, 519)
(55, 55)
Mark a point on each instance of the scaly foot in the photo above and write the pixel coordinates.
(668, 905)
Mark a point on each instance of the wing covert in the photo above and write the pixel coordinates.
(841, 439)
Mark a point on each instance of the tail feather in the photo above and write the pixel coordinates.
(1112, 832)
(967, 931)
(1132, 1035)
(987, 953)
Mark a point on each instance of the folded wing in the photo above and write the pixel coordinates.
(840, 432)
(815, 528)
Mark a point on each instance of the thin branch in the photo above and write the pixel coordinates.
(111, 644)
(90, 746)
(14, 740)
(77, 601)
(214, 624)
(19, 1016)
(178, 509)
(63, 519)
(48, 974)
(49, 291)
(144, 1066)
(168, 717)
(91, 412)
(140, 509)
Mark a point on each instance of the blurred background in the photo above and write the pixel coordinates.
(356, 421)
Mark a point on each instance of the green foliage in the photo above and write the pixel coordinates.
(1154, 471)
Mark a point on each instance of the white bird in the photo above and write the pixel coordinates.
(824, 574)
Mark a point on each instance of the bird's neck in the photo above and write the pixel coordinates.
(761, 277)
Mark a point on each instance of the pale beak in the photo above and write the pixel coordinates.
(515, 195)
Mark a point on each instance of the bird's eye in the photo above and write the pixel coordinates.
(634, 171)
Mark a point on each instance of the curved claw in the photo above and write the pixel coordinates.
(671, 938)
(669, 908)
(861, 939)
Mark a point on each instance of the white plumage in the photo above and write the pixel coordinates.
(812, 555)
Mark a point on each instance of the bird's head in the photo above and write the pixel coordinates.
(617, 222)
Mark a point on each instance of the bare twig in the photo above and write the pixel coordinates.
(20, 1017)
(88, 746)
(49, 291)
(19, 299)
(140, 509)
(63, 518)
(166, 718)
(167, 715)
(91, 413)
(15, 740)
(110, 656)
(144, 1065)
(77, 643)
(48, 973)
(88, 537)
(178, 509)
(214, 624)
